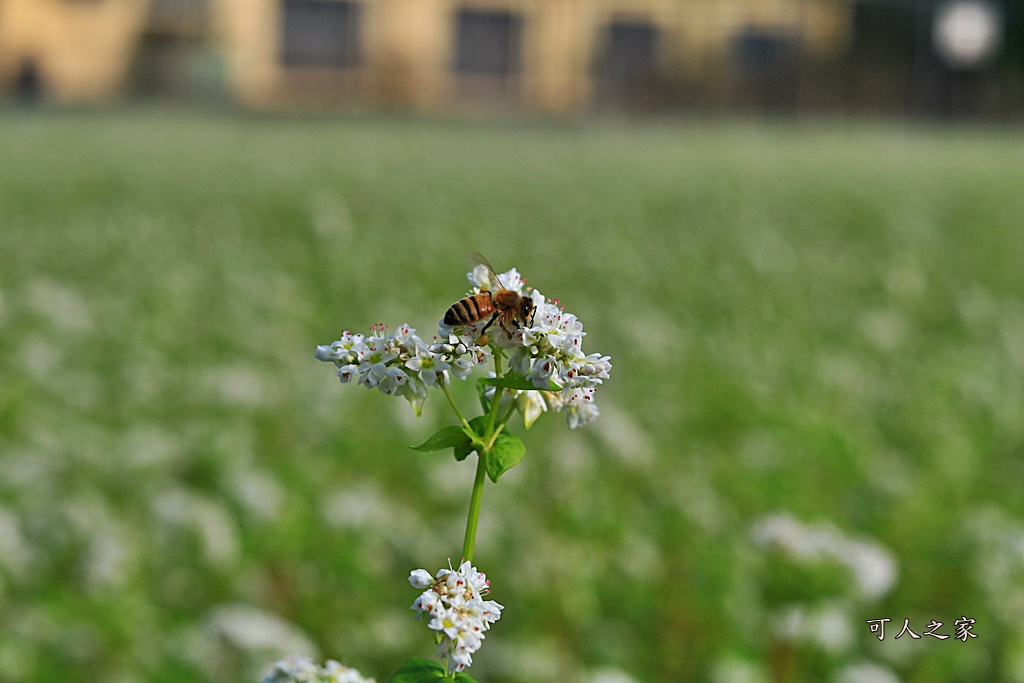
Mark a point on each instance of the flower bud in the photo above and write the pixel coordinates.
(420, 579)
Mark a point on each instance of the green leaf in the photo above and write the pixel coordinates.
(478, 425)
(447, 437)
(419, 670)
(462, 451)
(464, 678)
(508, 450)
(514, 380)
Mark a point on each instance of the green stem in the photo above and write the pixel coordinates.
(492, 416)
(508, 414)
(488, 437)
(474, 509)
(465, 425)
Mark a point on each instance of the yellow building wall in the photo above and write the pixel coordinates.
(247, 32)
(83, 49)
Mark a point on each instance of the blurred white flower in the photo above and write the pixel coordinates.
(609, 676)
(999, 564)
(454, 607)
(293, 668)
(15, 552)
(253, 630)
(866, 672)
(296, 669)
(733, 669)
(259, 493)
(181, 509)
(335, 672)
(65, 308)
(828, 626)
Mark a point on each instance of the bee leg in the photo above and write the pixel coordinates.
(489, 323)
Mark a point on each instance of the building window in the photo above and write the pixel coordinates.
(321, 33)
(769, 67)
(630, 53)
(488, 42)
(626, 69)
(759, 51)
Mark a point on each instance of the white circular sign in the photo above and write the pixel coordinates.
(967, 33)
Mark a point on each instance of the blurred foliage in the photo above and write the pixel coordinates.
(819, 323)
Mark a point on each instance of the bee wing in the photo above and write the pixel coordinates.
(478, 260)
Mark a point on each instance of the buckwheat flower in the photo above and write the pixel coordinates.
(346, 372)
(415, 391)
(548, 353)
(471, 357)
(542, 371)
(420, 578)
(480, 279)
(343, 351)
(552, 326)
(393, 381)
(454, 607)
(428, 603)
(430, 366)
(405, 336)
(530, 405)
(373, 365)
(334, 672)
(295, 669)
(327, 353)
(581, 407)
(595, 368)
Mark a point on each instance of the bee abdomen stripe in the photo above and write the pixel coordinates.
(459, 313)
(465, 313)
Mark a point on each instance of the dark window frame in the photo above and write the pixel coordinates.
(620, 59)
(333, 33)
(488, 42)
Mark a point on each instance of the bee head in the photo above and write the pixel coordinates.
(527, 311)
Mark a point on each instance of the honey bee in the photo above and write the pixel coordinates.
(505, 306)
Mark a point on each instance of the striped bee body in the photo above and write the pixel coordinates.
(508, 308)
(470, 310)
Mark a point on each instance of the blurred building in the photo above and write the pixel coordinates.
(540, 55)
(552, 56)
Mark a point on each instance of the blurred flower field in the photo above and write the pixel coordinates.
(817, 417)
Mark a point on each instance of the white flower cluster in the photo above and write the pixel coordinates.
(296, 669)
(400, 363)
(548, 353)
(454, 606)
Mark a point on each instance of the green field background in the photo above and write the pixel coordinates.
(816, 326)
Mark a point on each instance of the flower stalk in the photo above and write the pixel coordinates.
(544, 370)
(473, 520)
